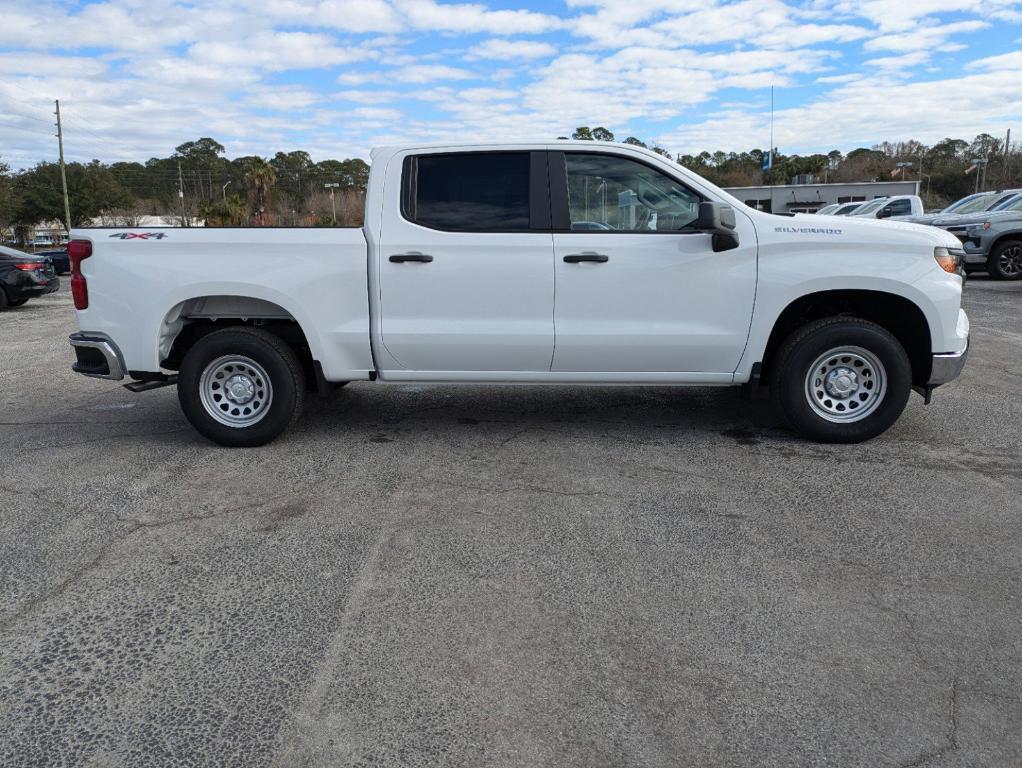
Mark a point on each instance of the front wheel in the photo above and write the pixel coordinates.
(842, 380)
(241, 387)
(1005, 262)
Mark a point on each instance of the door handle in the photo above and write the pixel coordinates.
(576, 258)
(400, 258)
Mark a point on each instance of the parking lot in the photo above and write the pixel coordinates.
(520, 576)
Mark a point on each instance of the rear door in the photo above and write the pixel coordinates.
(639, 289)
(466, 264)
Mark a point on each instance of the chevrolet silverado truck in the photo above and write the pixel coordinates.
(542, 263)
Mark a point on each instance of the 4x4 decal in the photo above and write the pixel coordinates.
(139, 235)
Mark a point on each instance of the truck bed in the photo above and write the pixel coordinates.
(144, 282)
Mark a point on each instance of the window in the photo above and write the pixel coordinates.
(469, 192)
(850, 198)
(615, 194)
(901, 208)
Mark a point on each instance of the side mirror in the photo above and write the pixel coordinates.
(718, 220)
(884, 212)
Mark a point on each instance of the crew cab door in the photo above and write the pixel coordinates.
(466, 263)
(638, 288)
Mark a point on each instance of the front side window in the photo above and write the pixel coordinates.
(470, 192)
(901, 208)
(615, 194)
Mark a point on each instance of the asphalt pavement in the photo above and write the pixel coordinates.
(517, 576)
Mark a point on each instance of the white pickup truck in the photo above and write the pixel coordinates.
(540, 263)
(890, 207)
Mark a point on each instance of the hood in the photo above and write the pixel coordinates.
(979, 218)
(925, 218)
(879, 230)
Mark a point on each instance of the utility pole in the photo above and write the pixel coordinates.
(1007, 159)
(63, 172)
(332, 186)
(224, 189)
(181, 191)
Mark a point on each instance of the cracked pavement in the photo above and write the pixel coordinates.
(519, 576)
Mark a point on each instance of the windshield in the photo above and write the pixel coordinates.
(870, 207)
(965, 204)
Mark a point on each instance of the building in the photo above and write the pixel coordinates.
(809, 198)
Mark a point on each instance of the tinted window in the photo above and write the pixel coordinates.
(608, 193)
(471, 192)
(901, 208)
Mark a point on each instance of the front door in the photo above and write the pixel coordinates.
(638, 289)
(466, 265)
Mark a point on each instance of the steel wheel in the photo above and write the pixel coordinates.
(846, 384)
(1009, 262)
(236, 391)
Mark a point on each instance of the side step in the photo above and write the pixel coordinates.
(145, 386)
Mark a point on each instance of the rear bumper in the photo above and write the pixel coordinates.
(97, 356)
(23, 289)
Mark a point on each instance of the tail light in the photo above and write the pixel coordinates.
(30, 266)
(78, 251)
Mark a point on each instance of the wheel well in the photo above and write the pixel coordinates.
(191, 320)
(903, 319)
(1004, 238)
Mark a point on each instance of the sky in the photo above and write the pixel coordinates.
(337, 77)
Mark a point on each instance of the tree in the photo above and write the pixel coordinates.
(230, 212)
(261, 176)
(635, 142)
(8, 196)
(91, 189)
(582, 133)
(602, 134)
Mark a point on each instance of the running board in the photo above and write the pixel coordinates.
(145, 386)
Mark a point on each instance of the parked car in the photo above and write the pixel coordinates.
(467, 269)
(23, 277)
(828, 209)
(887, 207)
(993, 240)
(967, 206)
(60, 259)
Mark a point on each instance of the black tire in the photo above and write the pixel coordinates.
(281, 366)
(1005, 262)
(3, 299)
(801, 351)
(17, 302)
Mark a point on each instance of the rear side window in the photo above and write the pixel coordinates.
(470, 192)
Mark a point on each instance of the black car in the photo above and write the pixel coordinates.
(23, 276)
(61, 261)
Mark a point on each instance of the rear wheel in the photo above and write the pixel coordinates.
(842, 380)
(1005, 262)
(3, 299)
(241, 387)
(17, 302)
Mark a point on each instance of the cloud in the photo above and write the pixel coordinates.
(137, 78)
(512, 49)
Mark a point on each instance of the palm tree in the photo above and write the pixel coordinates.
(262, 176)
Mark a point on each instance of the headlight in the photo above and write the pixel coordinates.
(948, 259)
(977, 228)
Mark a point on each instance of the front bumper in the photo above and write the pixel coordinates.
(947, 367)
(97, 356)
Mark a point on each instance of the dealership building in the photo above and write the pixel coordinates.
(809, 198)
